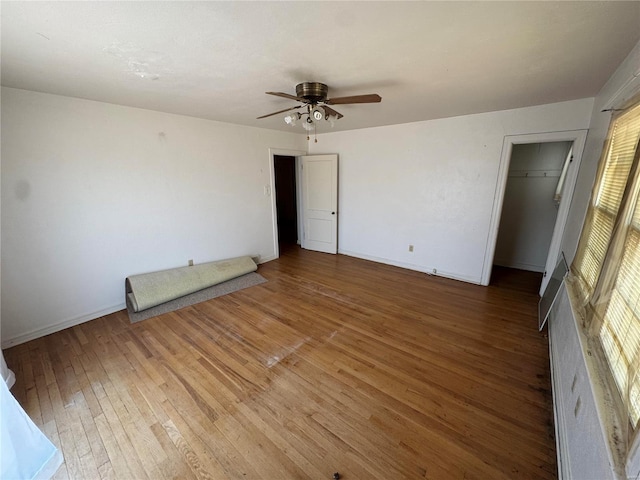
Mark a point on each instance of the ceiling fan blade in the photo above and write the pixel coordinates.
(369, 98)
(331, 111)
(279, 111)
(286, 95)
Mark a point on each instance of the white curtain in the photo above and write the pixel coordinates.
(26, 452)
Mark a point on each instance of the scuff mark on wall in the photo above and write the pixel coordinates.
(23, 189)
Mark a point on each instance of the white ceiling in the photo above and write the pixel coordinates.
(215, 60)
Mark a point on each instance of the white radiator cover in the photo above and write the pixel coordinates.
(581, 442)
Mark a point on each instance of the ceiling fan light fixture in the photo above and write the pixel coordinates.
(318, 114)
(317, 107)
(317, 104)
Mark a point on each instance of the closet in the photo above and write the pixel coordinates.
(530, 206)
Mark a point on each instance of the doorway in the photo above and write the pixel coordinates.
(271, 191)
(530, 206)
(304, 200)
(553, 247)
(286, 189)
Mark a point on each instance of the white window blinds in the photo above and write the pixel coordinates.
(620, 331)
(606, 199)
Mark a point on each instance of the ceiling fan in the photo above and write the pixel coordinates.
(313, 96)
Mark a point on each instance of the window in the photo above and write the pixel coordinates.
(606, 199)
(607, 263)
(620, 332)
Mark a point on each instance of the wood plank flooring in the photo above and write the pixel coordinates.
(334, 365)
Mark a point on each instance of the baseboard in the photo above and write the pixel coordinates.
(267, 259)
(72, 322)
(411, 266)
(520, 266)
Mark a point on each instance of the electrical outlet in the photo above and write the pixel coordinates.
(191, 263)
(411, 248)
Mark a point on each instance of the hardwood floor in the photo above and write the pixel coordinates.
(334, 365)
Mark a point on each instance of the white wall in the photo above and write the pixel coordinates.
(431, 184)
(93, 192)
(529, 211)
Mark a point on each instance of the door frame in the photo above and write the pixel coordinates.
(272, 192)
(578, 137)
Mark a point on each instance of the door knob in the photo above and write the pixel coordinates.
(333, 213)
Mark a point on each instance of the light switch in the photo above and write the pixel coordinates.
(267, 190)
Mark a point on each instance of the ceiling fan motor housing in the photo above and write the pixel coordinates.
(313, 92)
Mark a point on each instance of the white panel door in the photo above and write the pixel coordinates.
(320, 203)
